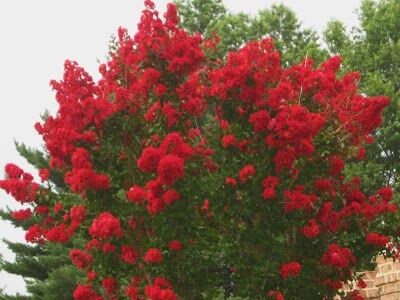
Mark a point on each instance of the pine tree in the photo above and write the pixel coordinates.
(46, 269)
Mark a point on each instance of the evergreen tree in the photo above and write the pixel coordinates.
(46, 269)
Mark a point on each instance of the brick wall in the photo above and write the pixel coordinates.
(384, 282)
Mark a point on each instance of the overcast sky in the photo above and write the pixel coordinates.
(36, 38)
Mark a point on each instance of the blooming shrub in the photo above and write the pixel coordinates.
(187, 174)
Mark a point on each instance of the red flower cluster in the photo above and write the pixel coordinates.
(291, 269)
(105, 226)
(377, 239)
(269, 184)
(297, 200)
(338, 257)
(110, 285)
(19, 184)
(167, 160)
(80, 259)
(260, 120)
(153, 256)
(246, 172)
(22, 214)
(85, 292)
(311, 230)
(175, 245)
(129, 254)
(170, 169)
(160, 290)
(82, 177)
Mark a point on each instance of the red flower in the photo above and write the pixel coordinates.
(269, 193)
(338, 257)
(128, 254)
(13, 171)
(311, 230)
(160, 290)
(34, 234)
(337, 165)
(110, 285)
(149, 159)
(22, 214)
(108, 248)
(135, 194)
(377, 239)
(361, 283)
(171, 196)
(58, 234)
(44, 174)
(246, 172)
(175, 245)
(277, 295)
(259, 120)
(78, 213)
(228, 140)
(386, 193)
(85, 292)
(290, 269)
(80, 259)
(231, 181)
(170, 169)
(105, 226)
(153, 256)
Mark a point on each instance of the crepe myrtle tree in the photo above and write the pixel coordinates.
(46, 268)
(188, 175)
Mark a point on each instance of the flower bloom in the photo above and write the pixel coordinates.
(170, 169)
(85, 292)
(128, 254)
(290, 269)
(311, 230)
(110, 285)
(153, 256)
(259, 120)
(22, 214)
(246, 172)
(377, 239)
(135, 194)
(338, 257)
(175, 245)
(105, 226)
(80, 259)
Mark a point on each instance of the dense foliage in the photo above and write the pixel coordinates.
(373, 49)
(187, 174)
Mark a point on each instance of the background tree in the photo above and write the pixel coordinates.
(373, 49)
(211, 18)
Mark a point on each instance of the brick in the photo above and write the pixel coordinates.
(373, 293)
(380, 259)
(370, 275)
(379, 280)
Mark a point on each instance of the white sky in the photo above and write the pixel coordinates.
(36, 38)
